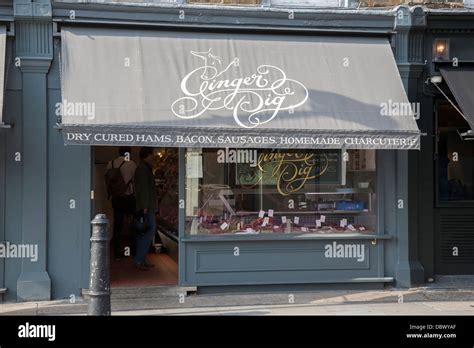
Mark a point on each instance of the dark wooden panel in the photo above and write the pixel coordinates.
(455, 236)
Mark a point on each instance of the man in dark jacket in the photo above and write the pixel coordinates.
(122, 205)
(145, 194)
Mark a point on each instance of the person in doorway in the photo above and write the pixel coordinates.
(145, 192)
(121, 191)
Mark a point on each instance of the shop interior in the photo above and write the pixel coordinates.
(163, 253)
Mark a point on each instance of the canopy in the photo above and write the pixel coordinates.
(461, 83)
(209, 89)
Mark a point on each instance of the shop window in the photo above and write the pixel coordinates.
(241, 191)
(455, 157)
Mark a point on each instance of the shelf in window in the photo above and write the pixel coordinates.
(361, 170)
(256, 191)
(348, 192)
(307, 212)
(285, 236)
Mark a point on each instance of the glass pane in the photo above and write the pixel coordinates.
(455, 157)
(240, 191)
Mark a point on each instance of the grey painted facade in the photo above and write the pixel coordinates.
(45, 197)
(459, 30)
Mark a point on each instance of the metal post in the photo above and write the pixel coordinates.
(99, 287)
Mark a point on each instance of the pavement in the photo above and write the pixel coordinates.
(449, 296)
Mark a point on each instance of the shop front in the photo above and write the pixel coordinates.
(446, 218)
(289, 144)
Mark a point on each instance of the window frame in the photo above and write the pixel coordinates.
(379, 205)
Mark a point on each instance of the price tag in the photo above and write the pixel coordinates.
(297, 220)
(261, 214)
(304, 229)
(318, 223)
(265, 221)
(224, 226)
(352, 228)
(283, 219)
(323, 218)
(270, 212)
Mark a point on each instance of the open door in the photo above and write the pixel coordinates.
(163, 253)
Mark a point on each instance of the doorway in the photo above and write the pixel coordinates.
(163, 252)
(454, 192)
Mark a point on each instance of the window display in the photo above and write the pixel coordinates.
(247, 191)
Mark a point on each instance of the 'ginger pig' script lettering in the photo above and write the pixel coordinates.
(254, 99)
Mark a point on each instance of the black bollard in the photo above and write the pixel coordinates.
(99, 286)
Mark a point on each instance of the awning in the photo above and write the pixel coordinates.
(3, 42)
(461, 83)
(208, 89)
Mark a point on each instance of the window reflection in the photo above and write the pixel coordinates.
(230, 191)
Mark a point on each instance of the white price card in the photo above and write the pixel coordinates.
(318, 223)
(270, 212)
(265, 221)
(283, 219)
(224, 226)
(323, 218)
(297, 220)
(304, 229)
(261, 214)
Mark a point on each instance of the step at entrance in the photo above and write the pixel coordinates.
(144, 292)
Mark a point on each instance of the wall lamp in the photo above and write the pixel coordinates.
(436, 79)
(441, 49)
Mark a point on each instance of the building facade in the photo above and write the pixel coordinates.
(403, 228)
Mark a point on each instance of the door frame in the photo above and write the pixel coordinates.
(2, 203)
